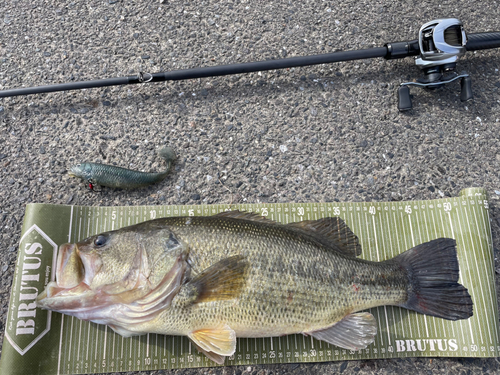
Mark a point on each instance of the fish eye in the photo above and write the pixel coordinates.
(100, 240)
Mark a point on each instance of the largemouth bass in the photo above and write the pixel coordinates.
(117, 177)
(237, 274)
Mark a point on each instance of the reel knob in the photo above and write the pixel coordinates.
(404, 99)
(466, 89)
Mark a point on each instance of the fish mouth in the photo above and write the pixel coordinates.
(70, 284)
(72, 172)
(69, 269)
(75, 170)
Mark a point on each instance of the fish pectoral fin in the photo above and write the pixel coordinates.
(356, 331)
(222, 281)
(332, 232)
(215, 343)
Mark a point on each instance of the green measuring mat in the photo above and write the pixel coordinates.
(42, 342)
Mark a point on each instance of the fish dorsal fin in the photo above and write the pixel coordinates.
(236, 214)
(356, 331)
(216, 343)
(222, 281)
(331, 232)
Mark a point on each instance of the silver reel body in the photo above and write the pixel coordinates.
(442, 43)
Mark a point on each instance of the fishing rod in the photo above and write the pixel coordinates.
(439, 45)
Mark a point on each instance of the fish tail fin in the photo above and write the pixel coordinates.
(433, 274)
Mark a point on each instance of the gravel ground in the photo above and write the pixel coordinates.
(311, 134)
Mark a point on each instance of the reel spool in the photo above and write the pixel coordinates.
(441, 43)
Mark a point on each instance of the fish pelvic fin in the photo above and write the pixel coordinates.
(216, 343)
(433, 273)
(355, 331)
(222, 281)
(331, 232)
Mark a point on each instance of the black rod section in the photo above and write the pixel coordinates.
(480, 41)
(206, 71)
(66, 86)
(275, 64)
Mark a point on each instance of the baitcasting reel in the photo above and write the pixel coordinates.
(441, 43)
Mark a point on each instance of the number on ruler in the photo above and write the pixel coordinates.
(152, 214)
(336, 211)
(372, 210)
(447, 206)
(191, 212)
(113, 215)
(264, 211)
(408, 209)
(300, 211)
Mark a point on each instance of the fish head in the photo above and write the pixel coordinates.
(81, 170)
(139, 265)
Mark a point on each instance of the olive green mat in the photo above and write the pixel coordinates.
(41, 342)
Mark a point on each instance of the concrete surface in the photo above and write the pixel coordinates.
(311, 134)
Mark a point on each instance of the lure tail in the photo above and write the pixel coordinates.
(168, 154)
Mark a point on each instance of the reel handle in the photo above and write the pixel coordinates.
(466, 89)
(404, 99)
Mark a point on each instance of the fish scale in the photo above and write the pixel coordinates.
(298, 286)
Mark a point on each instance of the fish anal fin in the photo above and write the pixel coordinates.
(356, 331)
(215, 343)
(332, 232)
(222, 281)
